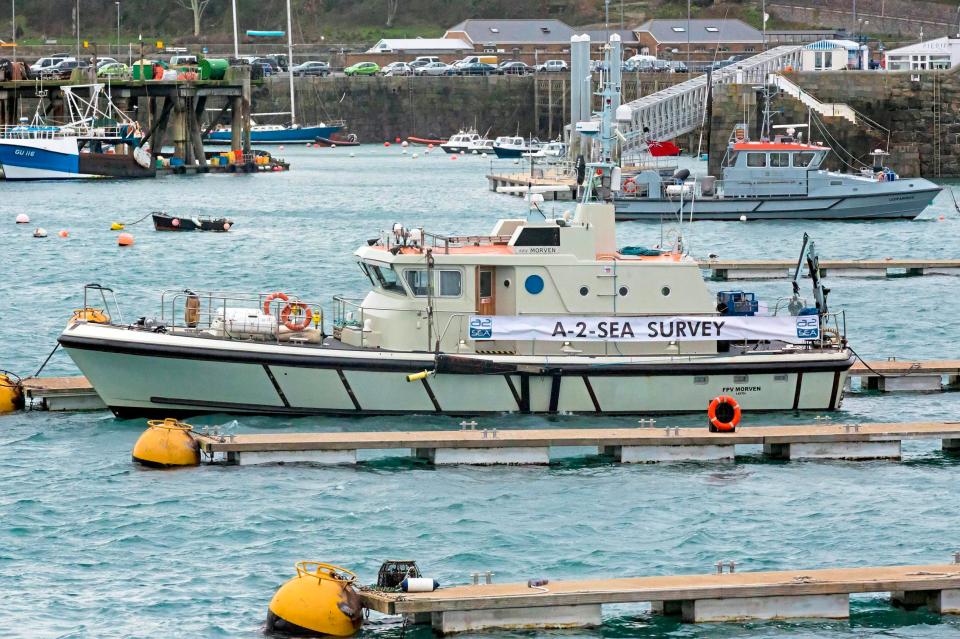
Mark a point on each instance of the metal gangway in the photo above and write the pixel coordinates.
(679, 109)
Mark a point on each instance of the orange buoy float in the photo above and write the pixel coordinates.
(274, 296)
(291, 311)
(724, 414)
(125, 239)
(64, 234)
(386, 144)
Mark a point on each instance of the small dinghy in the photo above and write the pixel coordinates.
(166, 222)
(349, 140)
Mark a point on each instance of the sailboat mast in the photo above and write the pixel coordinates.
(236, 42)
(293, 108)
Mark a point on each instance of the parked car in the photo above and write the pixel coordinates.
(312, 67)
(63, 69)
(553, 66)
(113, 70)
(514, 68)
(477, 68)
(181, 60)
(45, 63)
(397, 68)
(362, 68)
(434, 68)
(105, 61)
(424, 60)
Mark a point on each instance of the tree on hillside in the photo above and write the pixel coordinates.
(391, 11)
(197, 7)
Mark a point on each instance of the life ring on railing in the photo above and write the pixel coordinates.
(724, 414)
(629, 186)
(273, 296)
(294, 309)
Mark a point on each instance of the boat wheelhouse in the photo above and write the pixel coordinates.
(462, 142)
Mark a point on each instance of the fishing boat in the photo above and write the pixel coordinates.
(483, 146)
(166, 222)
(461, 142)
(779, 177)
(98, 140)
(514, 146)
(425, 141)
(348, 140)
(554, 151)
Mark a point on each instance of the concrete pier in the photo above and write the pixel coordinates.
(582, 616)
(766, 608)
(655, 454)
(251, 458)
(851, 450)
(740, 596)
(508, 455)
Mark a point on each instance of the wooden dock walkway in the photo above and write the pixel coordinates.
(727, 596)
(780, 269)
(625, 445)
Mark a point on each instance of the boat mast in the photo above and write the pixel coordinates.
(293, 108)
(236, 42)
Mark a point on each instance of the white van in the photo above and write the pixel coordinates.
(179, 60)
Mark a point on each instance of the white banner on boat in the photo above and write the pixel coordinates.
(649, 328)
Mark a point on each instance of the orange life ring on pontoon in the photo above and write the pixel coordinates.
(289, 309)
(729, 414)
(273, 296)
(629, 186)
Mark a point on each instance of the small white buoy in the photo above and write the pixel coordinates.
(461, 151)
(280, 147)
(404, 144)
(404, 152)
(415, 156)
(352, 154)
(23, 218)
(332, 146)
(39, 232)
(483, 155)
(516, 161)
(743, 218)
(427, 152)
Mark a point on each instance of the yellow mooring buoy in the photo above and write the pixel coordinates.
(11, 392)
(166, 444)
(319, 600)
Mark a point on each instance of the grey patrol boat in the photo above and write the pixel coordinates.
(775, 179)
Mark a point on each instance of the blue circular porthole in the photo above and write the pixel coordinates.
(533, 284)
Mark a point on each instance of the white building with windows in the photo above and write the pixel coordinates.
(834, 55)
(942, 53)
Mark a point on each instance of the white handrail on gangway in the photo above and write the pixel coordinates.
(807, 99)
(679, 109)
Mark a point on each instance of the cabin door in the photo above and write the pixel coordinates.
(486, 291)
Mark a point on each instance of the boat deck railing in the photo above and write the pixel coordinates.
(237, 316)
(44, 132)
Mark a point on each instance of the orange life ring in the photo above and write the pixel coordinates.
(288, 311)
(629, 186)
(273, 296)
(724, 423)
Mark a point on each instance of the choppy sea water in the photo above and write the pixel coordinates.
(91, 546)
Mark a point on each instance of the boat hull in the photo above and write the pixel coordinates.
(41, 159)
(283, 136)
(508, 153)
(138, 373)
(894, 205)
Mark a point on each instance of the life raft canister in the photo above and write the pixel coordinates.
(724, 414)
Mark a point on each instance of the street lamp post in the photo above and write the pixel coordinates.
(118, 25)
(78, 31)
(13, 26)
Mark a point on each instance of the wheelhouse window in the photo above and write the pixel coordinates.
(449, 282)
(779, 160)
(757, 160)
(803, 159)
(386, 278)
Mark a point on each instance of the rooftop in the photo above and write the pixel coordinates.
(522, 31)
(420, 44)
(700, 31)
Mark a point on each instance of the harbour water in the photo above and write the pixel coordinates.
(92, 546)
